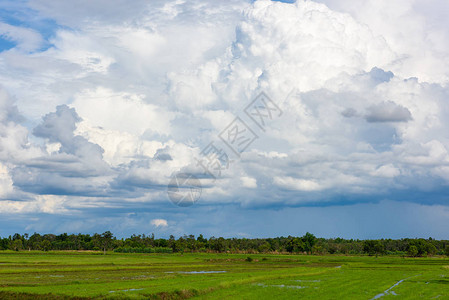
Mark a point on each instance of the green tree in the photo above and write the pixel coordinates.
(4, 244)
(295, 245)
(309, 241)
(373, 247)
(369, 247)
(45, 245)
(35, 241)
(17, 245)
(379, 248)
(172, 243)
(106, 240)
(431, 249)
(264, 247)
(412, 251)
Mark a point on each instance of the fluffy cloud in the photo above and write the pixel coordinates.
(14, 143)
(159, 223)
(297, 184)
(59, 127)
(6, 183)
(128, 95)
(414, 30)
(76, 168)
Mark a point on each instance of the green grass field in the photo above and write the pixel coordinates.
(63, 275)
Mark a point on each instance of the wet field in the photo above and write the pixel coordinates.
(62, 275)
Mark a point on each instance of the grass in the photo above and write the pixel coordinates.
(88, 275)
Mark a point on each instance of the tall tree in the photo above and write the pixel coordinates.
(309, 240)
(106, 239)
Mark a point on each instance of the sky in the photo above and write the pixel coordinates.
(324, 116)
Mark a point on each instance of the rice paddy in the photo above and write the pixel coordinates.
(91, 275)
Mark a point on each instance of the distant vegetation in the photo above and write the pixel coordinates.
(307, 244)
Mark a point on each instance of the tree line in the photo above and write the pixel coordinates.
(307, 244)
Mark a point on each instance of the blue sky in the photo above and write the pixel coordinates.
(19, 14)
(102, 103)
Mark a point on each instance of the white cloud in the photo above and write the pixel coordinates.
(84, 51)
(297, 184)
(249, 182)
(159, 223)
(415, 30)
(6, 183)
(131, 96)
(26, 39)
(120, 147)
(388, 171)
(122, 112)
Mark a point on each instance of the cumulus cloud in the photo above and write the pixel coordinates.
(414, 30)
(59, 127)
(76, 168)
(124, 99)
(297, 184)
(6, 183)
(118, 108)
(159, 223)
(249, 182)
